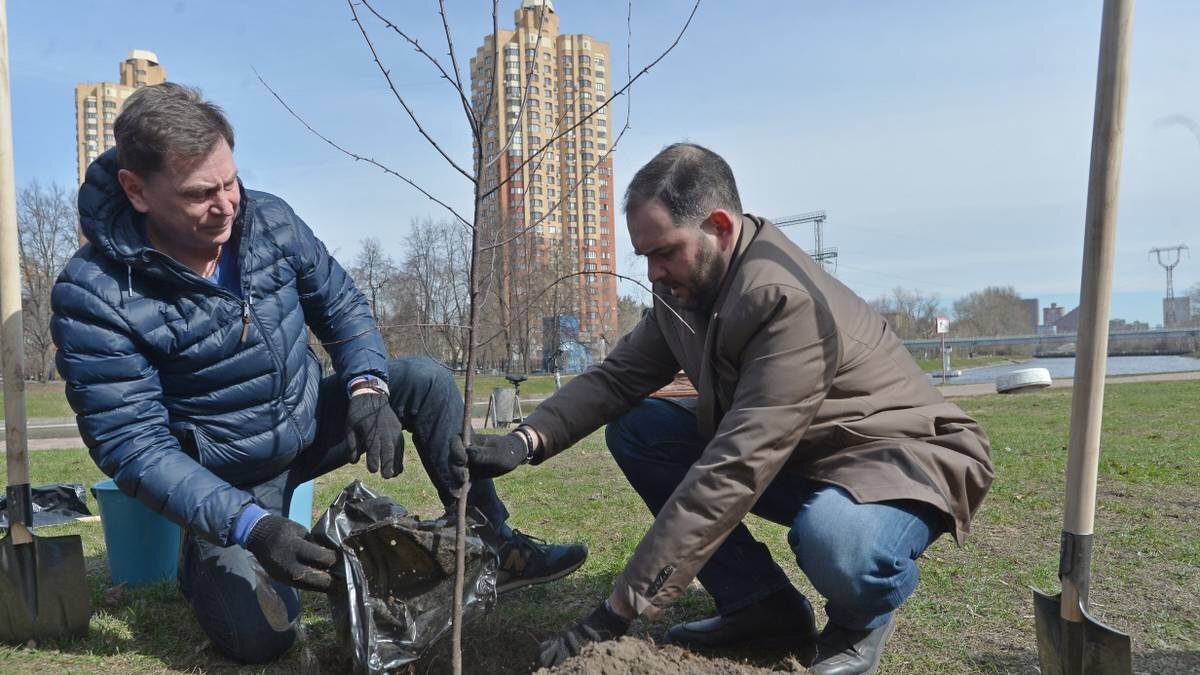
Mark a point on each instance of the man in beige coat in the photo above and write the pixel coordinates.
(811, 413)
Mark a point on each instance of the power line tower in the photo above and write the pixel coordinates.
(1169, 310)
(826, 256)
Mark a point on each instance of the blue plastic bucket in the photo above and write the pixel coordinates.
(301, 507)
(143, 547)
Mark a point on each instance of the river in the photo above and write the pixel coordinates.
(1065, 368)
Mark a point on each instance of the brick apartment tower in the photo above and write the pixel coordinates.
(97, 105)
(561, 78)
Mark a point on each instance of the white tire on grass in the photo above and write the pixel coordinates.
(1027, 379)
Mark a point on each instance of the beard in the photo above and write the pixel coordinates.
(705, 280)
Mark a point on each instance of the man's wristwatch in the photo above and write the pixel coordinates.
(523, 432)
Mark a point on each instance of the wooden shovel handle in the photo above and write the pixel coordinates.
(1087, 401)
(12, 334)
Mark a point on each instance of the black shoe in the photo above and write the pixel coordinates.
(784, 616)
(841, 651)
(526, 560)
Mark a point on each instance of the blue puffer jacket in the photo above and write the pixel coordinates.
(182, 390)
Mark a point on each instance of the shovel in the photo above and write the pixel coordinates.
(1070, 641)
(43, 586)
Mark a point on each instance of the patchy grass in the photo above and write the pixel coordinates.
(961, 362)
(49, 399)
(972, 612)
(45, 400)
(537, 386)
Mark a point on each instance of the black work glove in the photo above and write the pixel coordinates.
(283, 549)
(459, 465)
(373, 428)
(491, 456)
(602, 624)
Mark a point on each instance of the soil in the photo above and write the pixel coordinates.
(631, 656)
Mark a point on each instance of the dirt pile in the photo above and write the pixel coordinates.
(631, 656)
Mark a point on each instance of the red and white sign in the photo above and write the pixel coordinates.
(943, 325)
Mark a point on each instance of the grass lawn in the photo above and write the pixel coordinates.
(537, 386)
(49, 400)
(45, 400)
(972, 612)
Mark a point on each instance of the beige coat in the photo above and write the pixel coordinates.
(795, 373)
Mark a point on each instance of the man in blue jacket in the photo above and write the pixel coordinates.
(182, 332)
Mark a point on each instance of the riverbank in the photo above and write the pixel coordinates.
(59, 432)
(985, 388)
(1064, 368)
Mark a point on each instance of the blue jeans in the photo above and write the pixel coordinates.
(860, 557)
(250, 617)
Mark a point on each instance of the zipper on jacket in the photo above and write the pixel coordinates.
(245, 322)
(191, 278)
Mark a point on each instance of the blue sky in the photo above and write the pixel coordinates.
(948, 141)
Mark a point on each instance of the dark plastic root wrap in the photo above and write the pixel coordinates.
(398, 574)
(53, 504)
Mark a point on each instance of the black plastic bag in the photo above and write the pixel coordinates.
(398, 574)
(53, 504)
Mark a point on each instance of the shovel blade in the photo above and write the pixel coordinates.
(1078, 648)
(43, 589)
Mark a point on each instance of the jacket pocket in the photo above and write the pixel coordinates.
(190, 440)
(893, 425)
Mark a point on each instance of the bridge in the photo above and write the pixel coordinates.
(1046, 343)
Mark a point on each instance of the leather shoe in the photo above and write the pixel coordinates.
(842, 651)
(784, 616)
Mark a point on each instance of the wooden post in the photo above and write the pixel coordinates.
(12, 335)
(945, 363)
(1087, 398)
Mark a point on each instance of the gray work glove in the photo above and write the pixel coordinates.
(373, 428)
(601, 625)
(284, 550)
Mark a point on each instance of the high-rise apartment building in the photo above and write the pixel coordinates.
(557, 206)
(97, 105)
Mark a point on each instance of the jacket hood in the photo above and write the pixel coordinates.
(106, 217)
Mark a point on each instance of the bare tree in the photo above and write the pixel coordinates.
(629, 312)
(995, 310)
(485, 245)
(435, 275)
(47, 222)
(373, 271)
(911, 313)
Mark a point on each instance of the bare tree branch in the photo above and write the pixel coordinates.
(629, 55)
(387, 75)
(456, 81)
(570, 192)
(645, 69)
(611, 274)
(460, 528)
(491, 97)
(357, 157)
(484, 274)
(525, 92)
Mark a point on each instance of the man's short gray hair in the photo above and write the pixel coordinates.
(690, 181)
(167, 119)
